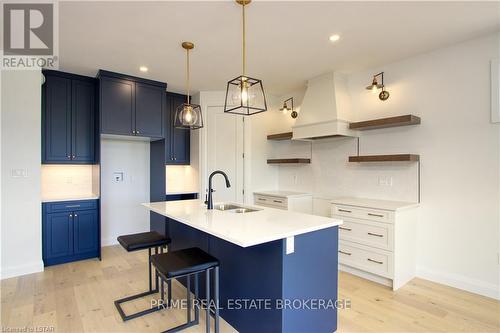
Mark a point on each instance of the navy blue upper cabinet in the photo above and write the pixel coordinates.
(177, 140)
(117, 106)
(68, 118)
(131, 105)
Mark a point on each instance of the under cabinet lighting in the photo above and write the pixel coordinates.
(143, 69)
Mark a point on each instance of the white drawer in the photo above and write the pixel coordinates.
(371, 260)
(273, 202)
(362, 213)
(365, 232)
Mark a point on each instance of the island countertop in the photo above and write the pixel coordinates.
(247, 229)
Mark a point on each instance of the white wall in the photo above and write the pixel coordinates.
(121, 210)
(21, 246)
(458, 234)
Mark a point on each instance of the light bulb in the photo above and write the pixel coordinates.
(374, 88)
(284, 110)
(188, 116)
(244, 95)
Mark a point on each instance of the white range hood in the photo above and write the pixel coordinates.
(326, 109)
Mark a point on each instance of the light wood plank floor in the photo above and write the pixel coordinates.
(78, 297)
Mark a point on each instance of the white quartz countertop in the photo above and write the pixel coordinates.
(56, 198)
(283, 194)
(374, 203)
(247, 229)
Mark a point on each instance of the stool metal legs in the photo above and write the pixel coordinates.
(146, 293)
(216, 298)
(196, 320)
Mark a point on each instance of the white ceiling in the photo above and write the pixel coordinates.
(287, 41)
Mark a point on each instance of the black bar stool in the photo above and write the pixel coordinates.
(186, 263)
(136, 242)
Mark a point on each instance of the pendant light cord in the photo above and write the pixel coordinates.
(187, 75)
(244, 39)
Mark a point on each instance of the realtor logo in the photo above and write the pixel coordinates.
(30, 35)
(28, 29)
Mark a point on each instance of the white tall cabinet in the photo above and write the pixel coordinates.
(377, 239)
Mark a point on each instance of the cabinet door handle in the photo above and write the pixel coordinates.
(376, 235)
(175, 158)
(261, 199)
(133, 131)
(278, 201)
(76, 215)
(73, 157)
(70, 215)
(72, 206)
(137, 132)
(375, 261)
(345, 210)
(346, 253)
(69, 157)
(376, 215)
(344, 228)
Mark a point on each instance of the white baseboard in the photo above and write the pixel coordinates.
(461, 282)
(13, 271)
(365, 275)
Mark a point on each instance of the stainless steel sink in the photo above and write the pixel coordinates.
(232, 208)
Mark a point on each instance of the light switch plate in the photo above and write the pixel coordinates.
(19, 173)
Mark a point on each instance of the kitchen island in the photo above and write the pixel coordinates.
(278, 269)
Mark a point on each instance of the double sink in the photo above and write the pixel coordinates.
(233, 208)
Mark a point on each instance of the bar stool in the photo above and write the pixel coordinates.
(136, 242)
(186, 263)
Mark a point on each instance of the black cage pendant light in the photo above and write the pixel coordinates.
(245, 95)
(187, 115)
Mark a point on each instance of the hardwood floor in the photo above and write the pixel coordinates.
(78, 297)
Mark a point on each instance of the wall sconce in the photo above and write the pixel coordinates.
(375, 86)
(285, 108)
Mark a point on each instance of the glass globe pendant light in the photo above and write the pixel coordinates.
(187, 115)
(245, 95)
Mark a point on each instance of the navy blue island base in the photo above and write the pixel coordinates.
(263, 289)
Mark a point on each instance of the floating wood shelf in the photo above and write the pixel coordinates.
(405, 120)
(385, 158)
(280, 136)
(289, 161)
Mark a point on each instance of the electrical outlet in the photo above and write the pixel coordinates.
(117, 177)
(385, 181)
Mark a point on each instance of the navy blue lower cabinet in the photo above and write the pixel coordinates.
(70, 231)
(85, 226)
(294, 292)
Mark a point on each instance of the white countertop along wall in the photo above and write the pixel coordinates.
(247, 229)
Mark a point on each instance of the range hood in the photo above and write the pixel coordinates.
(326, 109)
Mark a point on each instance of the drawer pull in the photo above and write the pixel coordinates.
(278, 201)
(344, 228)
(376, 235)
(375, 261)
(345, 210)
(346, 253)
(72, 206)
(261, 199)
(376, 215)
